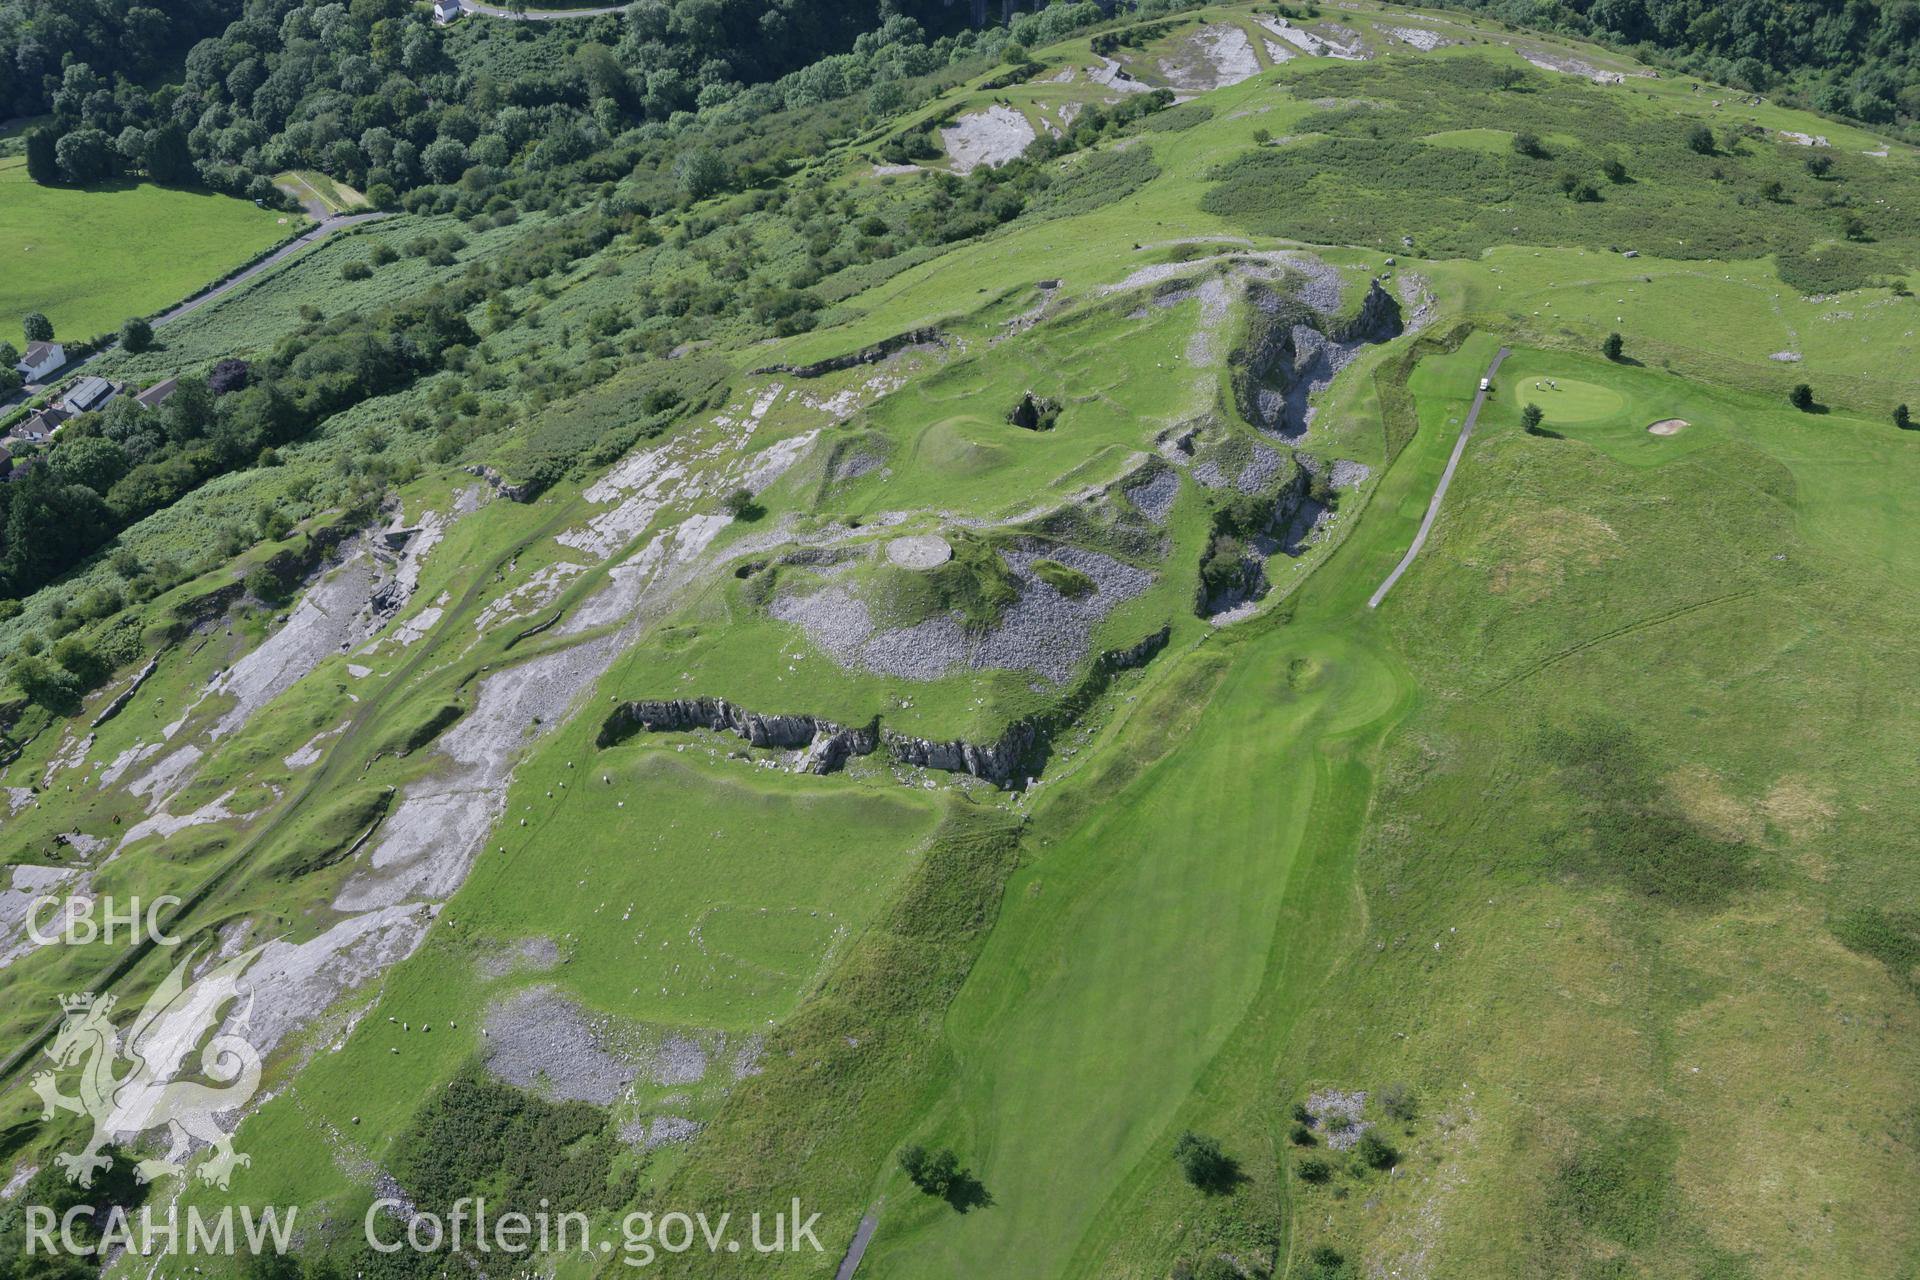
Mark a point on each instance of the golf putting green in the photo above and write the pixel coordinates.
(1571, 400)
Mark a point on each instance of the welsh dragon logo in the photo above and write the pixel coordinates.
(149, 1094)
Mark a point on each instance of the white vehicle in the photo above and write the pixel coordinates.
(1486, 384)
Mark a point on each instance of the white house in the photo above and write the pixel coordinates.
(42, 358)
(445, 11)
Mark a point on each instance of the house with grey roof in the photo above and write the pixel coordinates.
(157, 394)
(89, 394)
(41, 359)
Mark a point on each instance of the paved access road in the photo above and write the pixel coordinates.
(326, 228)
(1446, 478)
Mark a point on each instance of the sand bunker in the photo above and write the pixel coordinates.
(1668, 427)
(921, 551)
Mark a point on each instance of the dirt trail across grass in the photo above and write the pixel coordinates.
(1440, 493)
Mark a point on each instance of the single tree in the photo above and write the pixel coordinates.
(1615, 170)
(1772, 192)
(1802, 397)
(1313, 1169)
(942, 1172)
(136, 335)
(1527, 143)
(1530, 417)
(1901, 418)
(1612, 347)
(85, 156)
(93, 461)
(1819, 166)
(229, 375)
(264, 584)
(1375, 1152)
(700, 173)
(1700, 139)
(168, 159)
(740, 504)
(37, 327)
(1325, 1262)
(934, 1172)
(1202, 1162)
(43, 157)
(913, 1162)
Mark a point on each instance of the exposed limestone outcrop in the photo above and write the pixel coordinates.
(1233, 568)
(315, 552)
(866, 355)
(828, 745)
(1293, 352)
(1378, 319)
(998, 762)
(499, 484)
(1009, 761)
(125, 696)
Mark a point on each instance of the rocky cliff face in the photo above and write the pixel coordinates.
(866, 355)
(1247, 582)
(1293, 352)
(499, 484)
(1008, 761)
(1378, 320)
(998, 762)
(828, 745)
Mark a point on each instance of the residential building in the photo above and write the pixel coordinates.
(39, 426)
(157, 394)
(41, 359)
(89, 394)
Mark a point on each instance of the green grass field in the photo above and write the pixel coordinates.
(89, 259)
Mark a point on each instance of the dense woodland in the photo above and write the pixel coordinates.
(111, 469)
(375, 95)
(1855, 58)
